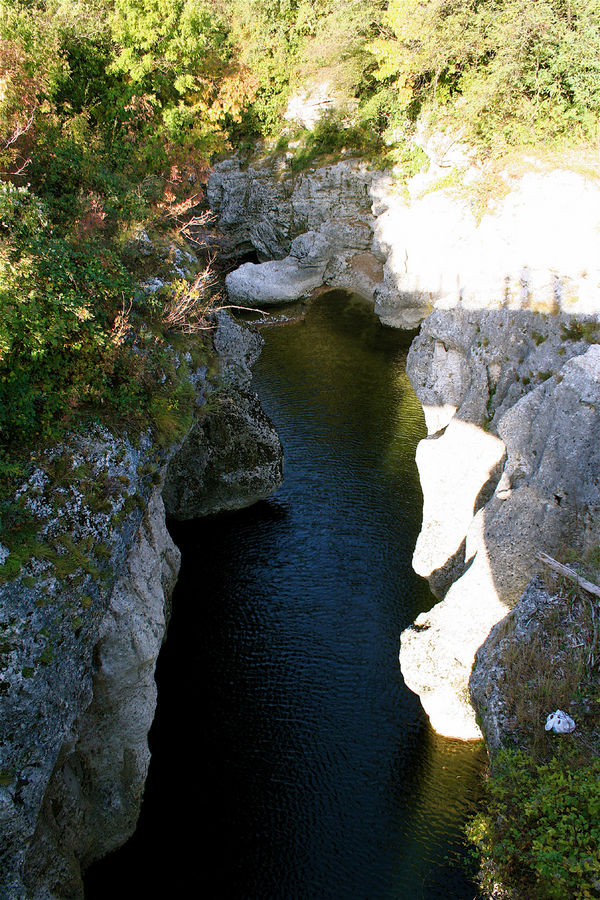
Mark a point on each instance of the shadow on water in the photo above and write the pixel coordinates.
(289, 760)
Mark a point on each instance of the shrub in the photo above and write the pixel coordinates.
(540, 833)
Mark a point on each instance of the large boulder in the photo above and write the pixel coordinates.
(282, 281)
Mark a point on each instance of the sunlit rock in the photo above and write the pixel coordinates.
(453, 469)
(516, 384)
(535, 245)
(437, 651)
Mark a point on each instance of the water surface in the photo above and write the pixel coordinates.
(289, 759)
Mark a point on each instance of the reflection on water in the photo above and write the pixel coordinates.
(289, 760)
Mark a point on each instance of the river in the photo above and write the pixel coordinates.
(289, 759)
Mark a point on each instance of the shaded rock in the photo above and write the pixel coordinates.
(51, 618)
(231, 459)
(238, 349)
(527, 624)
(93, 798)
(265, 206)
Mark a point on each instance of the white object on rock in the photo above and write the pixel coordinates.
(560, 723)
(4, 554)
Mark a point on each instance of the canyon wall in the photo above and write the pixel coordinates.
(507, 367)
(81, 627)
(511, 467)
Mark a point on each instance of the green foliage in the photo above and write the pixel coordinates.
(330, 136)
(506, 70)
(58, 303)
(102, 110)
(540, 833)
(581, 331)
(287, 43)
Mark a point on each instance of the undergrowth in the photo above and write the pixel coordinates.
(538, 837)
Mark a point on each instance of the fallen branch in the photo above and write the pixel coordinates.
(567, 572)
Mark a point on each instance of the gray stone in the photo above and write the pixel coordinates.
(488, 381)
(265, 206)
(272, 283)
(232, 458)
(312, 250)
(238, 350)
(92, 801)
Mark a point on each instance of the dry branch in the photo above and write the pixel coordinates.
(567, 572)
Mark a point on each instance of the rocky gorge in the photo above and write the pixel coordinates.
(506, 364)
(507, 368)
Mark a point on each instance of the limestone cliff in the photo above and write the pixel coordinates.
(454, 237)
(511, 467)
(82, 624)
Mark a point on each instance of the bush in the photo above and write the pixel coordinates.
(540, 834)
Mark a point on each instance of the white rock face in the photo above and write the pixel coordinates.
(495, 496)
(535, 248)
(437, 652)
(471, 457)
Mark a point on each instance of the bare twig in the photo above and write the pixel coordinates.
(121, 326)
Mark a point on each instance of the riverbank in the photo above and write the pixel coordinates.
(509, 394)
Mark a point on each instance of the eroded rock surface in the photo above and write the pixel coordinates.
(309, 229)
(92, 802)
(232, 457)
(510, 467)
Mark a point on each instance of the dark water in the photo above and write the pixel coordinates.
(289, 760)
